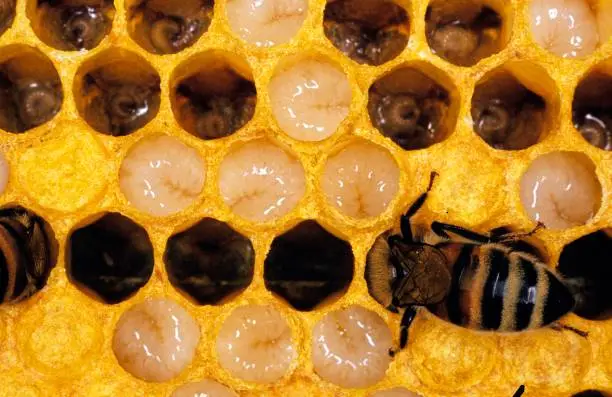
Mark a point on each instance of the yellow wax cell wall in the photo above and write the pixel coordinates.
(58, 343)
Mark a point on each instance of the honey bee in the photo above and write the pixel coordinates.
(492, 282)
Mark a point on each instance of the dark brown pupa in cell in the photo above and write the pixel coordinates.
(83, 27)
(29, 252)
(37, 101)
(173, 34)
(7, 14)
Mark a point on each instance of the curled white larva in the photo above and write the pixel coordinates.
(567, 28)
(350, 347)
(155, 340)
(255, 344)
(266, 23)
(361, 180)
(395, 392)
(205, 388)
(561, 190)
(259, 181)
(4, 172)
(310, 99)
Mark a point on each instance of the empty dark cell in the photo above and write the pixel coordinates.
(215, 103)
(410, 108)
(28, 252)
(592, 110)
(369, 32)
(586, 265)
(307, 265)
(506, 114)
(591, 393)
(112, 258)
(209, 262)
(7, 14)
(463, 34)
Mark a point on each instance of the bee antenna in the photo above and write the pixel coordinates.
(432, 178)
(520, 391)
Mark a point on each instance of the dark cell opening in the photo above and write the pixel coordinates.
(463, 33)
(119, 94)
(409, 107)
(592, 110)
(591, 393)
(72, 25)
(585, 263)
(28, 252)
(308, 265)
(369, 32)
(506, 114)
(111, 258)
(215, 102)
(7, 14)
(30, 90)
(168, 27)
(209, 262)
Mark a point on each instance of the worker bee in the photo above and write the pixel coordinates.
(494, 282)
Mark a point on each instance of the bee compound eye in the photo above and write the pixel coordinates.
(84, 27)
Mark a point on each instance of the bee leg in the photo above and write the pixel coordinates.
(414, 208)
(443, 230)
(503, 237)
(560, 327)
(407, 319)
(519, 391)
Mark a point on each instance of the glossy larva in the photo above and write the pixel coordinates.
(162, 175)
(567, 28)
(395, 392)
(266, 23)
(561, 190)
(255, 344)
(350, 347)
(259, 181)
(4, 172)
(310, 99)
(205, 388)
(155, 340)
(361, 180)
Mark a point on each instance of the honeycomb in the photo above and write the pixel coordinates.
(58, 342)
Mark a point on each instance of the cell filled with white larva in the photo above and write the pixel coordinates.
(162, 175)
(255, 344)
(155, 340)
(568, 28)
(350, 347)
(310, 98)
(369, 32)
(361, 180)
(204, 388)
(167, 27)
(266, 23)
(561, 190)
(260, 181)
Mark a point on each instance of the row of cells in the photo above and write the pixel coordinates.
(155, 340)
(372, 32)
(213, 96)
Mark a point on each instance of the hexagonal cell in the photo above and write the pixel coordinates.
(464, 32)
(413, 107)
(117, 92)
(570, 28)
(30, 89)
(361, 180)
(110, 258)
(310, 97)
(7, 14)
(509, 111)
(592, 107)
(28, 253)
(585, 263)
(168, 27)
(71, 25)
(369, 32)
(266, 23)
(213, 95)
(260, 182)
(209, 262)
(308, 266)
(561, 190)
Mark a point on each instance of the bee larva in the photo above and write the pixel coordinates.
(492, 282)
(28, 254)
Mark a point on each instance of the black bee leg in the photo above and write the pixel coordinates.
(407, 319)
(443, 230)
(414, 208)
(520, 391)
(503, 237)
(561, 327)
